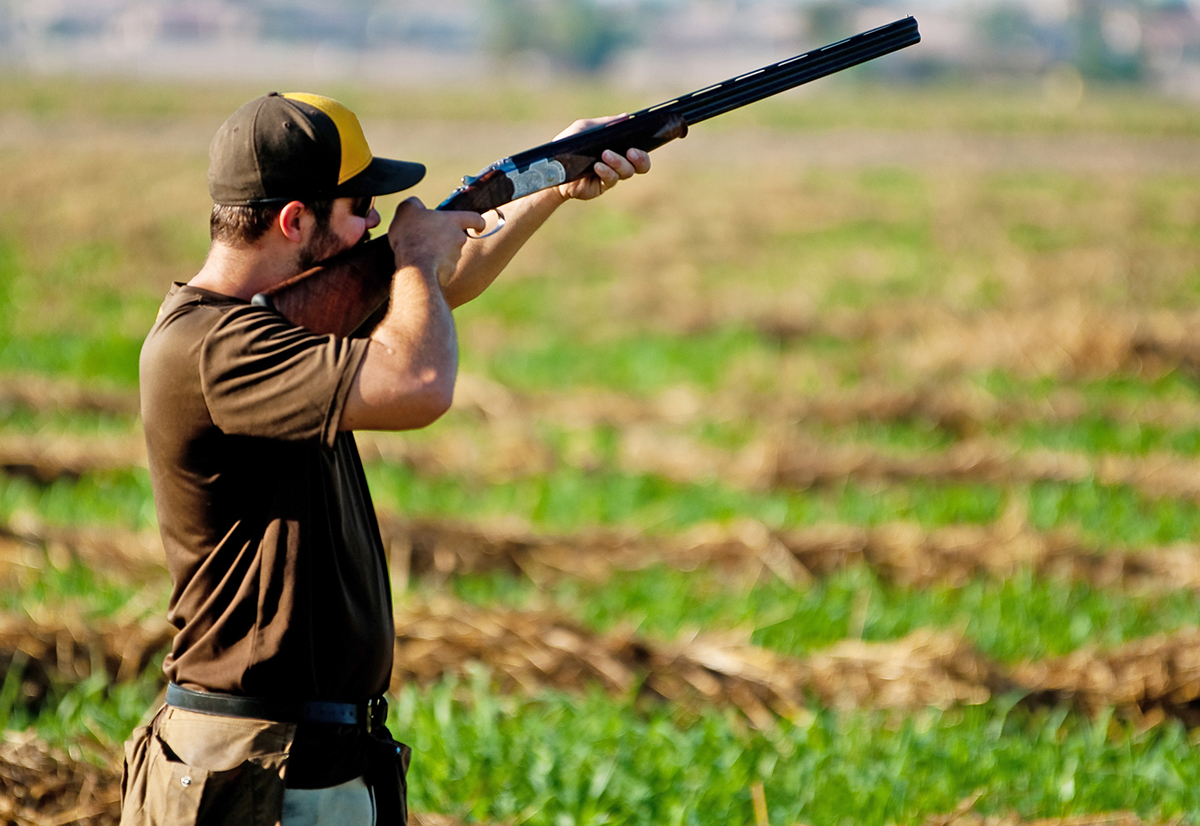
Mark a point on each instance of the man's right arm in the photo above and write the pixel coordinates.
(406, 378)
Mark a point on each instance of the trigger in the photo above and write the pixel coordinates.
(499, 226)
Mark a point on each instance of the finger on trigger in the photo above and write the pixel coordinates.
(474, 221)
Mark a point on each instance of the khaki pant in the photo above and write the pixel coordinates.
(187, 768)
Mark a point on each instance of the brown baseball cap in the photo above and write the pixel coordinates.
(298, 147)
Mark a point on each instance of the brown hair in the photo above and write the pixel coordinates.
(243, 225)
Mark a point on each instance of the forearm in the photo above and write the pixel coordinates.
(483, 259)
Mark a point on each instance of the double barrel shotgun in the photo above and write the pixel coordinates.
(340, 294)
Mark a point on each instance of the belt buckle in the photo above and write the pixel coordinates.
(376, 714)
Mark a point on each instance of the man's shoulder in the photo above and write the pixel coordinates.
(189, 315)
(190, 305)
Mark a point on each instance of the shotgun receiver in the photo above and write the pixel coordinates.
(338, 295)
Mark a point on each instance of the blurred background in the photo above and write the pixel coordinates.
(845, 469)
(1152, 43)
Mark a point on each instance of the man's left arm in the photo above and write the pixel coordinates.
(485, 258)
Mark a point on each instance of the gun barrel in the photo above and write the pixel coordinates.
(795, 71)
(718, 98)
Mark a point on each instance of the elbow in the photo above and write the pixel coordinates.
(392, 392)
(438, 405)
(432, 401)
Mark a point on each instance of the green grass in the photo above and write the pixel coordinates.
(1102, 435)
(569, 499)
(90, 719)
(637, 365)
(1022, 618)
(1178, 385)
(72, 353)
(1012, 110)
(491, 759)
(572, 498)
(92, 239)
(19, 419)
(121, 498)
(849, 101)
(1114, 515)
(78, 590)
(87, 328)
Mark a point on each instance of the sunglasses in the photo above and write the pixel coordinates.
(362, 205)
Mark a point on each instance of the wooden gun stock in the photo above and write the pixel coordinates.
(338, 295)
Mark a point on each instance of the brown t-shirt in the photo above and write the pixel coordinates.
(280, 584)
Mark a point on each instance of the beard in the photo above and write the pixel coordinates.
(324, 245)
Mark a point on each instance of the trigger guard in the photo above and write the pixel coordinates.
(499, 226)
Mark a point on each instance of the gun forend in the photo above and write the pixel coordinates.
(561, 161)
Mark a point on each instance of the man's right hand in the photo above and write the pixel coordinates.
(429, 239)
(406, 378)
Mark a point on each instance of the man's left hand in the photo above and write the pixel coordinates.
(611, 169)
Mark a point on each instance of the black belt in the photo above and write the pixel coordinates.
(371, 714)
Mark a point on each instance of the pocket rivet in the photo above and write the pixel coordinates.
(185, 781)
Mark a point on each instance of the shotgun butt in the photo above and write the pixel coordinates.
(337, 295)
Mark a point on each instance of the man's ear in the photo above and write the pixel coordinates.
(291, 220)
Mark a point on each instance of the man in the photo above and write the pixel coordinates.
(280, 589)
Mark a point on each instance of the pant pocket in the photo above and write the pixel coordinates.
(176, 794)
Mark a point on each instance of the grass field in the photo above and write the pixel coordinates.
(845, 469)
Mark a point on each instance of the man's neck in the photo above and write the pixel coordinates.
(242, 272)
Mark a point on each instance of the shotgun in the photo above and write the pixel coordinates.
(340, 294)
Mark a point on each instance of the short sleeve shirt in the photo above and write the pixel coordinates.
(279, 580)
